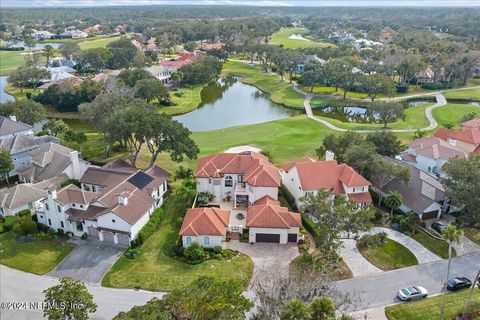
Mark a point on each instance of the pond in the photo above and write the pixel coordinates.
(4, 97)
(38, 45)
(347, 114)
(232, 103)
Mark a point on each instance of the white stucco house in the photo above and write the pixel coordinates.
(113, 204)
(307, 176)
(245, 188)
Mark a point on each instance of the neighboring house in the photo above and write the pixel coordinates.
(423, 194)
(71, 81)
(162, 73)
(243, 177)
(307, 176)
(10, 127)
(467, 139)
(26, 196)
(184, 59)
(52, 160)
(42, 35)
(429, 76)
(206, 226)
(113, 205)
(74, 34)
(431, 153)
(210, 46)
(20, 145)
(365, 43)
(62, 62)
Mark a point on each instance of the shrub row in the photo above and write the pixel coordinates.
(284, 194)
(310, 226)
(436, 86)
(148, 229)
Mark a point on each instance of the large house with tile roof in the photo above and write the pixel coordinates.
(113, 204)
(206, 226)
(243, 177)
(307, 176)
(467, 139)
(430, 154)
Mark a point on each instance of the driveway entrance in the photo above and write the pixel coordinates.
(89, 261)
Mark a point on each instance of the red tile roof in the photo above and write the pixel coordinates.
(469, 134)
(267, 213)
(328, 175)
(205, 221)
(256, 168)
(363, 197)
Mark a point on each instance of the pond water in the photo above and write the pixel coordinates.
(4, 97)
(38, 45)
(347, 114)
(232, 103)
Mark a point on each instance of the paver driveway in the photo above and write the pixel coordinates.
(88, 262)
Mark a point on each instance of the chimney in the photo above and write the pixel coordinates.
(75, 164)
(329, 155)
(51, 194)
(13, 118)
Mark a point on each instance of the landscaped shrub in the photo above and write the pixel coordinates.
(132, 253)
(195, 254)
(284, 193)
(369, 241)
(310, 226)
(24, 212)
(69, 234)
(400, 223)
(25, 238)
(217, 249)
(25, 225)
(60, 232)
(245, 236)
(84, 236)
(151, 226)
(436, 86)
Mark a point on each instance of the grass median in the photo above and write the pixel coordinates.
(388, 256)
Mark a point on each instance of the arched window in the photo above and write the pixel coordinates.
(206, 241)
(189, 241)
(228, 181)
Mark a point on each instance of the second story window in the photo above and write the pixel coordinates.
(228, 181)
(46, 206)
(59, 208)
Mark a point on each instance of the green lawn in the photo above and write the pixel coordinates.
(453, 113)
(414, 119)
(439, 247)
(281, 38)
(389, 256)
(186, 100)
(38, 257)
(280, 91)
(473, 234)
(330, 91)
(429, 309)
(465, 94)
(97, 43)
(154, 270)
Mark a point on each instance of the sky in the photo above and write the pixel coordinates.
(291, 3)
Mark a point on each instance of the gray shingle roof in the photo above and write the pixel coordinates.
(8, 126)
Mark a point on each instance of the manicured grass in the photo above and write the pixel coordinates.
(186, 100)
(473, 234)
(452, 113)
(39, 256)
(280, 91)
(11, 60)
(429, 309)
(330, 91)
(281, 38)
(391, 255)
(97, 43)
(414, 118)
(154, 270)
(439, 247)
(464, 94)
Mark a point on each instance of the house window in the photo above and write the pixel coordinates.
(23, 163)
(73, 205)
(79, 227)
(353, 189)
(240, 178)
(87, 188)
(30, 205)
(81, 206)
(189, 241)
(59, 209)
(113, 220)
(209, 181)
(429, 169)
(228, 181)
(206, 241)
(292, 179)
(46, 206)
(14, 159)
(217, 182)
(61, 224)
(49, 222)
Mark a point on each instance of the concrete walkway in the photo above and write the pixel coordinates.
(422, 254)
(355, 261)
(371, 314)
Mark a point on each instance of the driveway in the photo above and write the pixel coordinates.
(267, 256)
(19, 286)
(422, 254)
(355, 261)
(88, 262)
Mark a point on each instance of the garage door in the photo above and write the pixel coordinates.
(93, 232)
(265, 237)
(429, 215)
(123, 239)
(292, 237)
(108, 236)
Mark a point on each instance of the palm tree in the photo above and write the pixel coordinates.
(451, 234)
(413, 219)
(393, 200)
(48, 51)
(477, 278)
(295, 310)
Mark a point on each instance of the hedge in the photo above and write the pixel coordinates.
(310, 226)
(151, 226)
(285, 194)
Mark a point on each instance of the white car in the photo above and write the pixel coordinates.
(412, 293)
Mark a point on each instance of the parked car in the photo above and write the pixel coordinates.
(439, 227)
(458, 283)
(412, 293)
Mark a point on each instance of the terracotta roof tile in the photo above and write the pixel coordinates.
(267, 213)
(205, 221)
(363, 197)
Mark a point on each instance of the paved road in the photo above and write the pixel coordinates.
(380, 289)
(422, 254)
(19, 286)
(88, 261)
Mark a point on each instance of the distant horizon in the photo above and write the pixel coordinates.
(259, 3)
